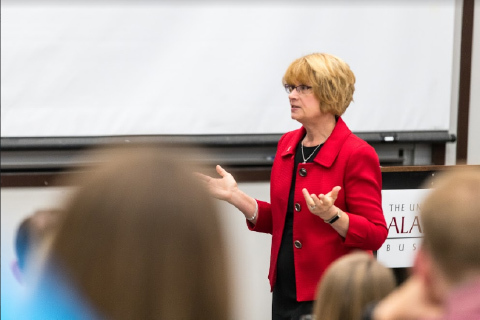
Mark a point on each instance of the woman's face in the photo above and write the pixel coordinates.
(304, 106)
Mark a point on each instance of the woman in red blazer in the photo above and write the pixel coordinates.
(325, 188)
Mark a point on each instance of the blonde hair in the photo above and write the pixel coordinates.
(349, 285)
(330, 77)
(141, 239)
(450, 215)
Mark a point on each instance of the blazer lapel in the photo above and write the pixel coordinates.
(331, 148)
(291, 146)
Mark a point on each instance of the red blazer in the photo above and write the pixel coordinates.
(344, 160)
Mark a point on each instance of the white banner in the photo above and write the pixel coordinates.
(401, 209)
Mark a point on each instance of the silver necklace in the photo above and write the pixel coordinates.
(311, 154)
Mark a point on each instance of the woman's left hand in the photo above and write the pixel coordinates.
(322, 204)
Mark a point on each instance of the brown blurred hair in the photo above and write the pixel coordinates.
(141, 238)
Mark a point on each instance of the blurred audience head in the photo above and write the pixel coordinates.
(445, 280)
(141, 238)
(349, 285)
(31, 234)
(450, 215)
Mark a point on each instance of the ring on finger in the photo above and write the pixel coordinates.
(312, 207)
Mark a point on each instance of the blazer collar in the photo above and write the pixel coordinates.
(331, 147)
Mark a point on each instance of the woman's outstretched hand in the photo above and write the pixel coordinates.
(220, 188)
(226, 188)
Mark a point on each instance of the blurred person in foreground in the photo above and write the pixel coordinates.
(325, 187)
(31, 233)
(445, 281)
(349, 285)
(140, 239)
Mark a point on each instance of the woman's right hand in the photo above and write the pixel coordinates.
(220, 188)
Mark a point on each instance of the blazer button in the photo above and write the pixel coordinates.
(303, 172)
(297, 244)
(298, 207)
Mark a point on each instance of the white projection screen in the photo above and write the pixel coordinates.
(106, 68)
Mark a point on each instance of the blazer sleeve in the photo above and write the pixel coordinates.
(363, 194)
(264, 218)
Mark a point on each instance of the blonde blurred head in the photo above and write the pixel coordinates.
(349, 285)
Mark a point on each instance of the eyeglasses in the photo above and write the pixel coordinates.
(301, 89)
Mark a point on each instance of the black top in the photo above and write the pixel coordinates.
(284, 304)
